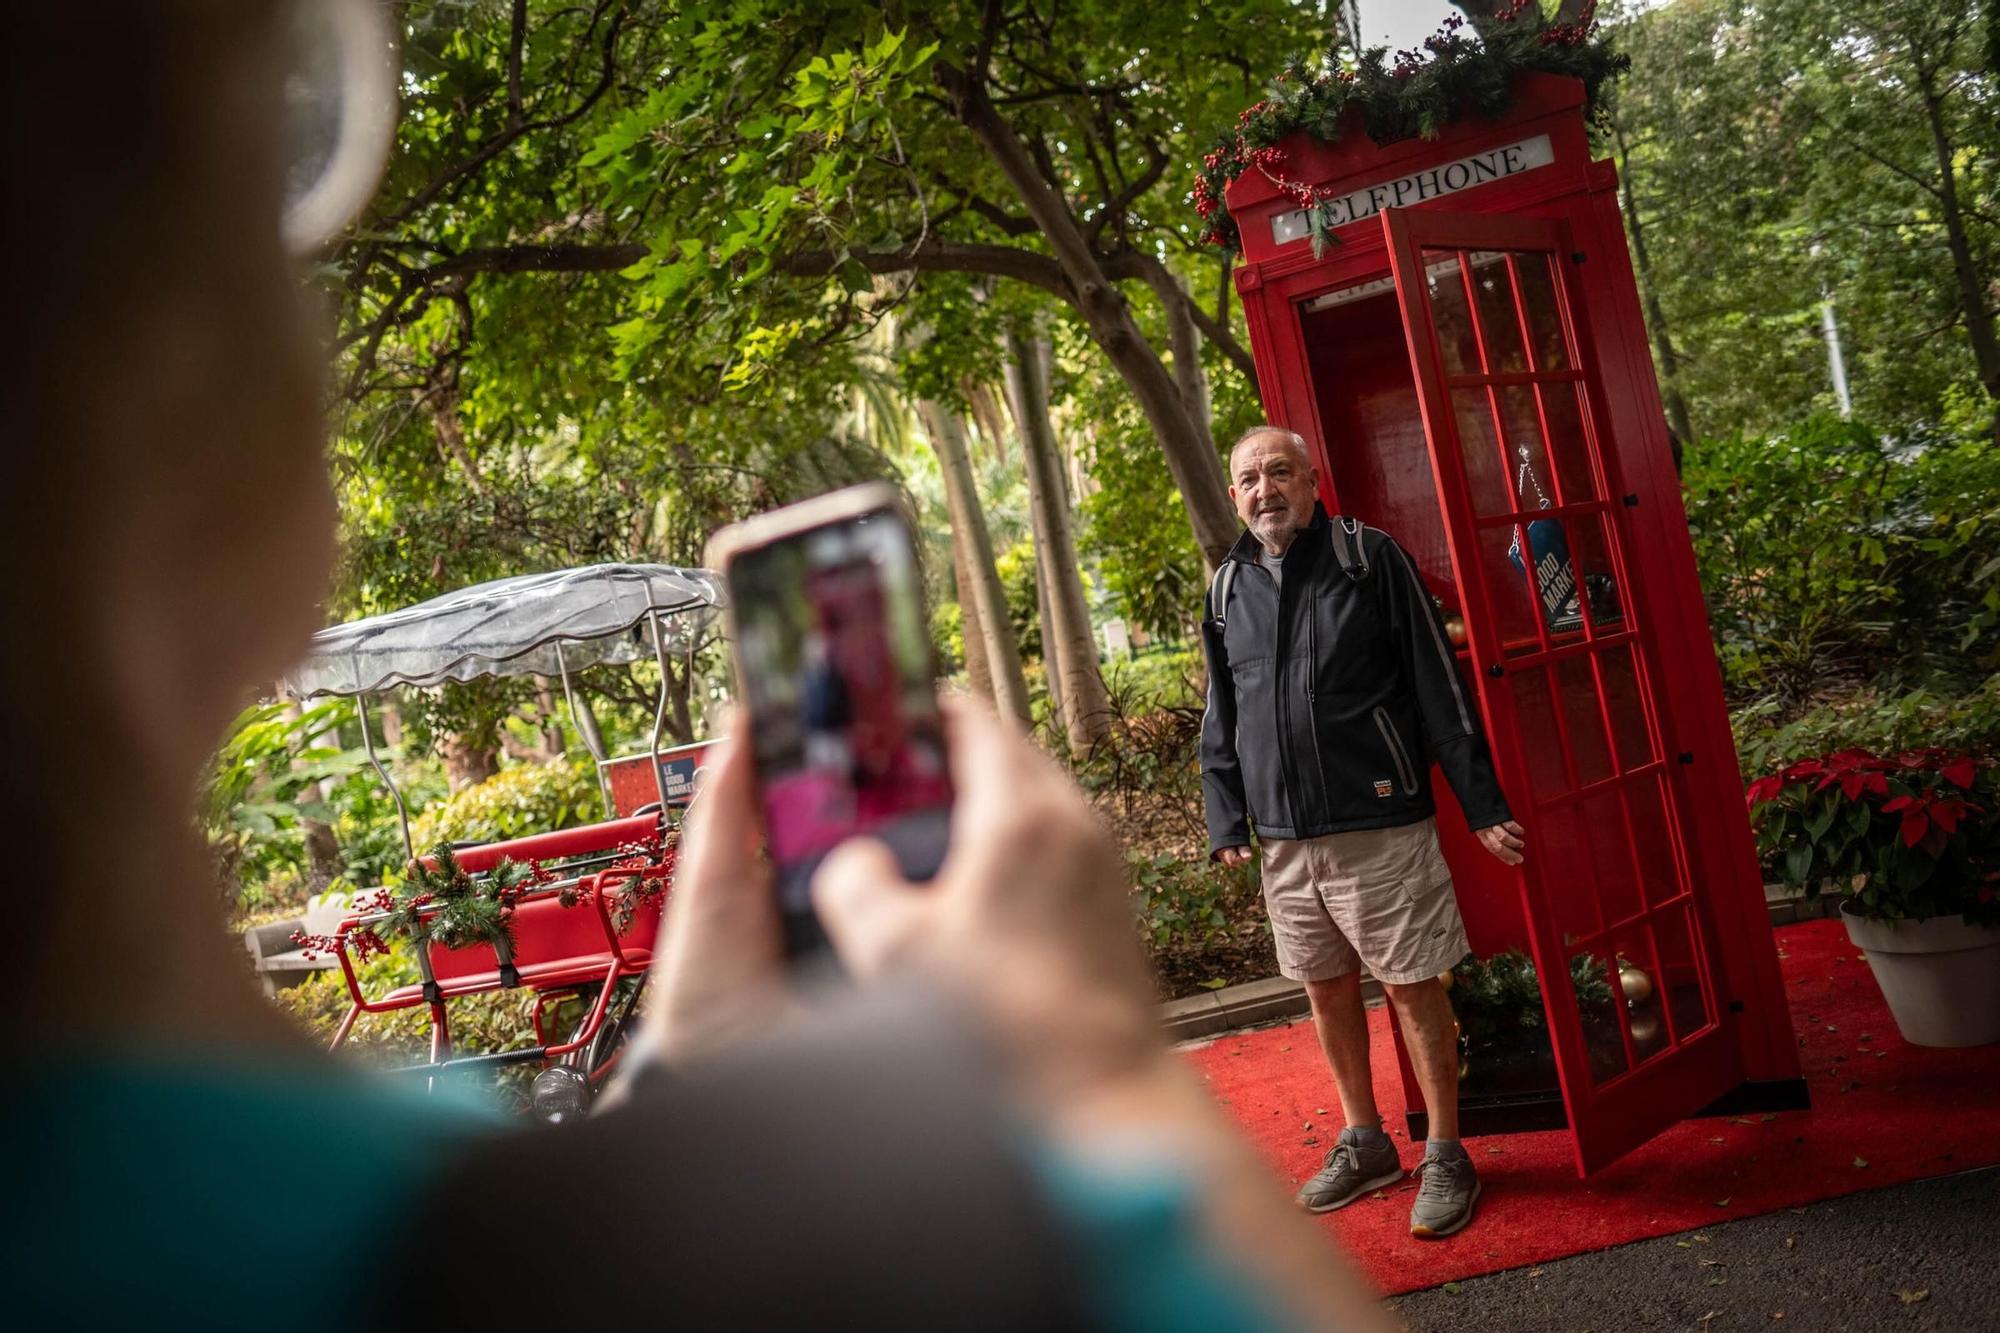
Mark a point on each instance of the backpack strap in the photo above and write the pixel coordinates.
(1218, 593)
(1347, 547)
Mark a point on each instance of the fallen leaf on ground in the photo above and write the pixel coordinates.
(1710, 1315)
(1766, 1119)
(1861, 1161)
(1718, 1282)
(1791, 1242)
(1738, 1120)
(1452, 1287)
(1716, 1139)
(1722, 1203)
(1534, 1272)
(1712, 1263)
(1908, 1297)
(1284, 1048)
(1701, 1239)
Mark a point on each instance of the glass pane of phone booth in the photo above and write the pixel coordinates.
(1545, 552)
(1548, 550)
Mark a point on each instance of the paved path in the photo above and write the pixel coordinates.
(1840, 1264)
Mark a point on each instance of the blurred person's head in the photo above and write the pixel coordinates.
(1273, 484)
(165, 518)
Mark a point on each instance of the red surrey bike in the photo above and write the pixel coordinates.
(582, 926)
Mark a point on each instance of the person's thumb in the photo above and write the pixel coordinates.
(869, 910)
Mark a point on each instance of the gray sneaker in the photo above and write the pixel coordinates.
(1350, 1171)
(1448, 1189)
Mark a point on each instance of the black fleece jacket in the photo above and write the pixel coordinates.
(1329, 696)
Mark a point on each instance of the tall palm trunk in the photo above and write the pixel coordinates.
(1073, 650)
(968, 520)
(977, 674)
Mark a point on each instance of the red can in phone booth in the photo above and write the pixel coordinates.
(1467, 361)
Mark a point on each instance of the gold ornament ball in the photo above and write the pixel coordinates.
(1445, 980)
(1645, 1031)
(1454, 629)
(1638, 987)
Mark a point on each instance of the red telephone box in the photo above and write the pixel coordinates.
(1468, 362)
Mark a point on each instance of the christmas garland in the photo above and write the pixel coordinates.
(447, 905)
(1469, 71)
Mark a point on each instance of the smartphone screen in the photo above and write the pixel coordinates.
(836, 668)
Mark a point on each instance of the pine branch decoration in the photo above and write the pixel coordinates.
(1466, 70)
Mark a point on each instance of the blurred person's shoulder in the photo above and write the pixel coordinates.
(150, 1184)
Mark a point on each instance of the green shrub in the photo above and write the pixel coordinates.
(1831, 556)
(1184, 900)
(513, 803)
(1878, 720)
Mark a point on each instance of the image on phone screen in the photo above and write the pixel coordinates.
(844, 724)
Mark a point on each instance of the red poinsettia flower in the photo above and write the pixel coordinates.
(1960, 772)
(1854, 781)
(1765, 788)
(1916, 821)
(1805, 768)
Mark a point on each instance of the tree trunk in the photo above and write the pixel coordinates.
(323, 859)
(1087, 708)
(1184, 343)
(977, 675)
(440, 397)
(986, 413)
(1971, 290)
(1196, 471)
(968, 521)
(545, 703)
(1679, 422)
(467, 763)
(1051, 666)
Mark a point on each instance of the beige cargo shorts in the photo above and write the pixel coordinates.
(1382, 897)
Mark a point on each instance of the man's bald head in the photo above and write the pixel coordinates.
(1275, 435)
(1273, 483)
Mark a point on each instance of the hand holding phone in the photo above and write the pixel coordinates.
(836, 675)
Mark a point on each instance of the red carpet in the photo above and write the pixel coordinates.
(1883, 1112)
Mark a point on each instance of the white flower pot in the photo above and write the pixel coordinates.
(1940, 975)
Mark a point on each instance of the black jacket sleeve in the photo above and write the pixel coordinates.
(1221, 771)
(1451, 719)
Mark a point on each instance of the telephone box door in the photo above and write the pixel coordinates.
(1558, 647)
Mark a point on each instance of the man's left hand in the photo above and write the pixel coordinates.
(1504, 840)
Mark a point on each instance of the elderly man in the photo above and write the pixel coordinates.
(1331, 686)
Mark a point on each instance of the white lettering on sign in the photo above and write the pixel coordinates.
(1430, 183)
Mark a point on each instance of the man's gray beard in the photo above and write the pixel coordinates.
(1274, 529)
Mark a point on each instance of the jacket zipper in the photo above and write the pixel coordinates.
(1312, 713)
(1278, 701)
(1396, 751)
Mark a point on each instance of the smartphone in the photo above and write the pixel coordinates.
(835, 670)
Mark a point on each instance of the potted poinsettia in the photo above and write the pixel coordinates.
(1912, 843)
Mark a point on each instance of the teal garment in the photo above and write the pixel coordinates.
(162, 1190)
(175, 1192)
(1139, 1251)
